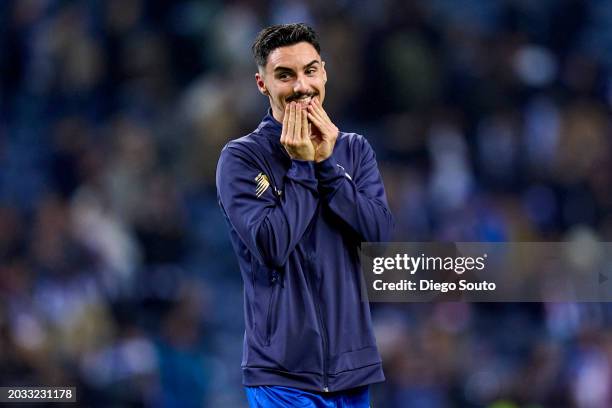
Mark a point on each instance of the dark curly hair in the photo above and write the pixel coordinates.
(281, 35)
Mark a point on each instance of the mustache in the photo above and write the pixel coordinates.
(295, 97)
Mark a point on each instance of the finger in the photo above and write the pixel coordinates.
(316, 122)
(305, 129)
(285, 124)
(286, 117)
(316, 103)
(318, 108)
(291, 124)
(298, 123)
(322, 110)
(316, 119)
(315, 113)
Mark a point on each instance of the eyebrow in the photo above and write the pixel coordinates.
(311, 63)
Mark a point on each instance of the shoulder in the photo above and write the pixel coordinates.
(354, 150)
(237, 158)
(352, 139)
(353, 142)
(242, 144)
(242, 148)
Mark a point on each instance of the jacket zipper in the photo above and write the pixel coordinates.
(271, 307)
(323, 332)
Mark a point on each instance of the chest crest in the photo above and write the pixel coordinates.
(262, 184)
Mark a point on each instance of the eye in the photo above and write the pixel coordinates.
(311, 71)
(284, 76)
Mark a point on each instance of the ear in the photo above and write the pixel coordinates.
(324, 72)
(261, 84)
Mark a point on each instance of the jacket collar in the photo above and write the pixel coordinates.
(270, 127)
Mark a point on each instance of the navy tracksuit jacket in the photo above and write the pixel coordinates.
(296, 227)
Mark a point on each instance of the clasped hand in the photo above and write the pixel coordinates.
(308, 133)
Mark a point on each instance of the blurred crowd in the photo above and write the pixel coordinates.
(490, 120)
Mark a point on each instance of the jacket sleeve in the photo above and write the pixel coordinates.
(269, 226)
(359, 200)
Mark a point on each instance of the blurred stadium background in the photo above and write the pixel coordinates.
(491, 122)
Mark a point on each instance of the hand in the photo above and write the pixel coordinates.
(324, 132)
(295, 136)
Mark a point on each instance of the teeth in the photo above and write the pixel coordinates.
(304, 101)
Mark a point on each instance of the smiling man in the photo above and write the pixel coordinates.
(299, 197)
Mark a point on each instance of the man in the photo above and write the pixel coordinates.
(299, 197)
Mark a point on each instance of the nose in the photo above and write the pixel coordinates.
(299, 85)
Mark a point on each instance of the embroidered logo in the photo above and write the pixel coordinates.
(262, 184)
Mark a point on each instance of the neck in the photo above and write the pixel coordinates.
(278, 115)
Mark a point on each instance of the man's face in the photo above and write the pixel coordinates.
(292, 73)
